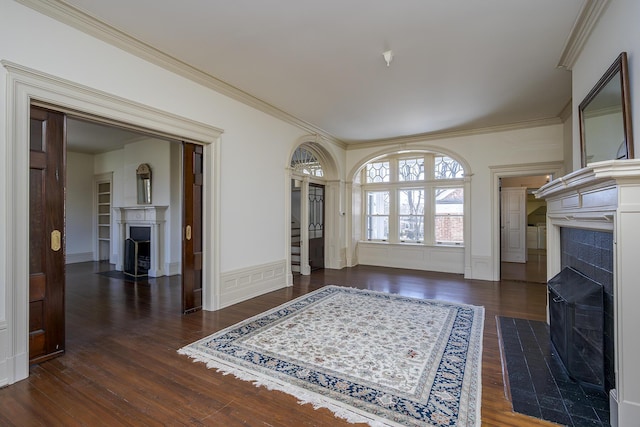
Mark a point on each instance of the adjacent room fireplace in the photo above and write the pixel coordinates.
(141, 240)
(137, 252)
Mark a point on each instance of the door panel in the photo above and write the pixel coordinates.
(46, 235)
(513, 224)
(193, 166)
(316, 226)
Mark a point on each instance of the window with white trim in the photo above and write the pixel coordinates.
(305, 162)
(414, 198)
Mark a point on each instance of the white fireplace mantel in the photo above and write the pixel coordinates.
(143, 216)
(606, 196)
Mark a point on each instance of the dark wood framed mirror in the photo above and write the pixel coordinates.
(605, 117)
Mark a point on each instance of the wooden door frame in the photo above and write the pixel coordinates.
(25, 86)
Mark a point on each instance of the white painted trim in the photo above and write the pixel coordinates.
(25, 85)
(587, 19)
(172, 268)
(211, 226)
(97, 179)
(446, 259)
(425, 137)
(4, 344)
(246, 283)
(497, 172)
(79, 257)
(481, 267)
(606, 196)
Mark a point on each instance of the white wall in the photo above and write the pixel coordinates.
(165, 160)
(254, 151)
(156, 153)
(79, 209)
(617, 31)
(255, 146)
(483, 152)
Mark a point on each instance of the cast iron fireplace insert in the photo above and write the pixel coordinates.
(137, 252)
(576, 325)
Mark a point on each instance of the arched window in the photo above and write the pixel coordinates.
(305, 162)
(413, 198)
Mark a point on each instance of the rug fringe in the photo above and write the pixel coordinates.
(303, 396)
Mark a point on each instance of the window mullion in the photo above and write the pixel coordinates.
(393, 215)
(429, 214)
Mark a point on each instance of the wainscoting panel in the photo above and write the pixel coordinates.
(445, 259)
(79, 257)
(482, 269)
(172, 268)
(240, 285)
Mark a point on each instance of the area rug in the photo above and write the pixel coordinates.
(368, 356)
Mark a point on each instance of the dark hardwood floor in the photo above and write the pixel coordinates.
(534, 270)
(121, 366)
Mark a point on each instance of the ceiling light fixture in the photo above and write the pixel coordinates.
(388, 56)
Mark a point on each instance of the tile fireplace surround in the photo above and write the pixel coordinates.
(605, 196)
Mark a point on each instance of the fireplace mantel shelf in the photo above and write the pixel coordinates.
(595, 174)
(606, 196)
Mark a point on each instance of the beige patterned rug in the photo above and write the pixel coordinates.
(368, 356)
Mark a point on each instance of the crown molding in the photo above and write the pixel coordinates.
(456, 133)
(567, 111)
(587, 19)
(69, 15)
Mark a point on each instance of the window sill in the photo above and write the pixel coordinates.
(412, 244)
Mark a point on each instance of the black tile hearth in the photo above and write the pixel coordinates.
(538, 382)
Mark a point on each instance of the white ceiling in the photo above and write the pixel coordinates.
(458, 64)
(92, 138)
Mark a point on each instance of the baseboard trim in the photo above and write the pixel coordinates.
(79, 257)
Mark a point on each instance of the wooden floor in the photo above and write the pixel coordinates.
(121, 365)
(534, 270)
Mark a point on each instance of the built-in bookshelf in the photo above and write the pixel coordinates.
(104, 219)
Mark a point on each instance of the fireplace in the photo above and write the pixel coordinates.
(141, 224)
(576, 326)
(137, 252)
(592, 228)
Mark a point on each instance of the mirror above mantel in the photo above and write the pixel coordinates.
(143, 179)
(605, 117)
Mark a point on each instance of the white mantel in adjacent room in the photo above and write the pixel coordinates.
(606, 196)
(143, 216)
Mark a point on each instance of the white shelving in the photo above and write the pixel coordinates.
(104, 219)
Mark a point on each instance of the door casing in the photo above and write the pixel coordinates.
(26, 86)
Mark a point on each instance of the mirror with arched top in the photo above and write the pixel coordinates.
(143, 175)
(605, 117)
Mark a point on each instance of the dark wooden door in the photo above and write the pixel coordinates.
(46, 235)
(316, 226)
(193, 165)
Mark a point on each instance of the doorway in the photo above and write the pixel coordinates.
(523, 229)
(307, 210)
(79, 158)
(27, 87)
(316, 226)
